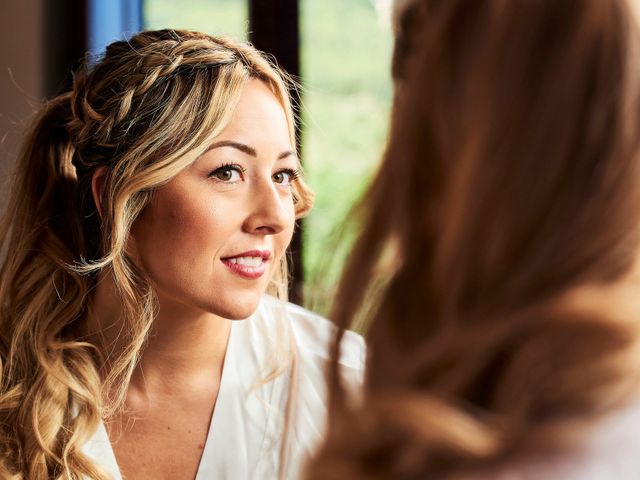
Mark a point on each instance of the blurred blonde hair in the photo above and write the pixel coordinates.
(508, 196)
(147, 110)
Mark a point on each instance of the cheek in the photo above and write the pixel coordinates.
(180, 229)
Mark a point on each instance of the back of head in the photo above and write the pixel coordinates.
(501, 223)
(143, 113)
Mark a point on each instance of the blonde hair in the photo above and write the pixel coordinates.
(148, 109)
(509, 194)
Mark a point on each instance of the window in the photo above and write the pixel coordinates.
(345, 62)
(346, 57)
(217, 17)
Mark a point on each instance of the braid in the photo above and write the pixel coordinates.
(147, 110)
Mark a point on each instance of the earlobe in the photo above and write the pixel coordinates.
(97, 187)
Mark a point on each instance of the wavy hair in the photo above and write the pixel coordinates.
(501, 234)
(148, 109)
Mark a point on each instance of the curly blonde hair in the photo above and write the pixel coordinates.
(148, 109)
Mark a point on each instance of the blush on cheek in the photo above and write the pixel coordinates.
(184, 222)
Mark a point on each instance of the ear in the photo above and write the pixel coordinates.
(97, 187)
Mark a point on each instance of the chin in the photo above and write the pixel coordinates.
(236, 309)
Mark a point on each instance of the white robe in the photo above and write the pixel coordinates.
(248, 418)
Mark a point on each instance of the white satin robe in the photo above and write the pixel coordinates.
(247, 422)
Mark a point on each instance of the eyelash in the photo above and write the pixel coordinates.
(293, 174)
(228, 166)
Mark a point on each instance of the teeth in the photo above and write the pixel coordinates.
(247, 261)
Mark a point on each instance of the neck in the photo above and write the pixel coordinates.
(184, 352)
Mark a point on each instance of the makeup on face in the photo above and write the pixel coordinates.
(251, 264)
(213, 236)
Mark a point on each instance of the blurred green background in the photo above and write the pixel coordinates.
(345, 62)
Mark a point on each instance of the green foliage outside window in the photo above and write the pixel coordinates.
(346, 50)
(345, 59)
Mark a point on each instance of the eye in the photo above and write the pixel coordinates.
(286, 176)
(228, 173)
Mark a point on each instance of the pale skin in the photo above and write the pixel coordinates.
(235, 198)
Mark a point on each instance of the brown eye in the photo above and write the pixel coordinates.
(228, 173)
(284, 177)
(280, 177)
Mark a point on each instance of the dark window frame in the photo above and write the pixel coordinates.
(274, 28)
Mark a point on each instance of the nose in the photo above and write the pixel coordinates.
(268, 214)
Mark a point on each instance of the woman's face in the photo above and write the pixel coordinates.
(212, 237)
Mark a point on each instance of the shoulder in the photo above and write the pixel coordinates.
(314, 334)
(608, 450)
(312, 337)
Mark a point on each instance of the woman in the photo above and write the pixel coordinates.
(501, 235)
(152, 208)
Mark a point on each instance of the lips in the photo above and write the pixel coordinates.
(250, 264)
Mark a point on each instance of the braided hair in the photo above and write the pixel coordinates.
(144, 112)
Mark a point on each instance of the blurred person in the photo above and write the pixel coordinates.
(497, 262)
(151, 210)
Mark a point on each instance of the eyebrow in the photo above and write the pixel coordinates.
(247, 149)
